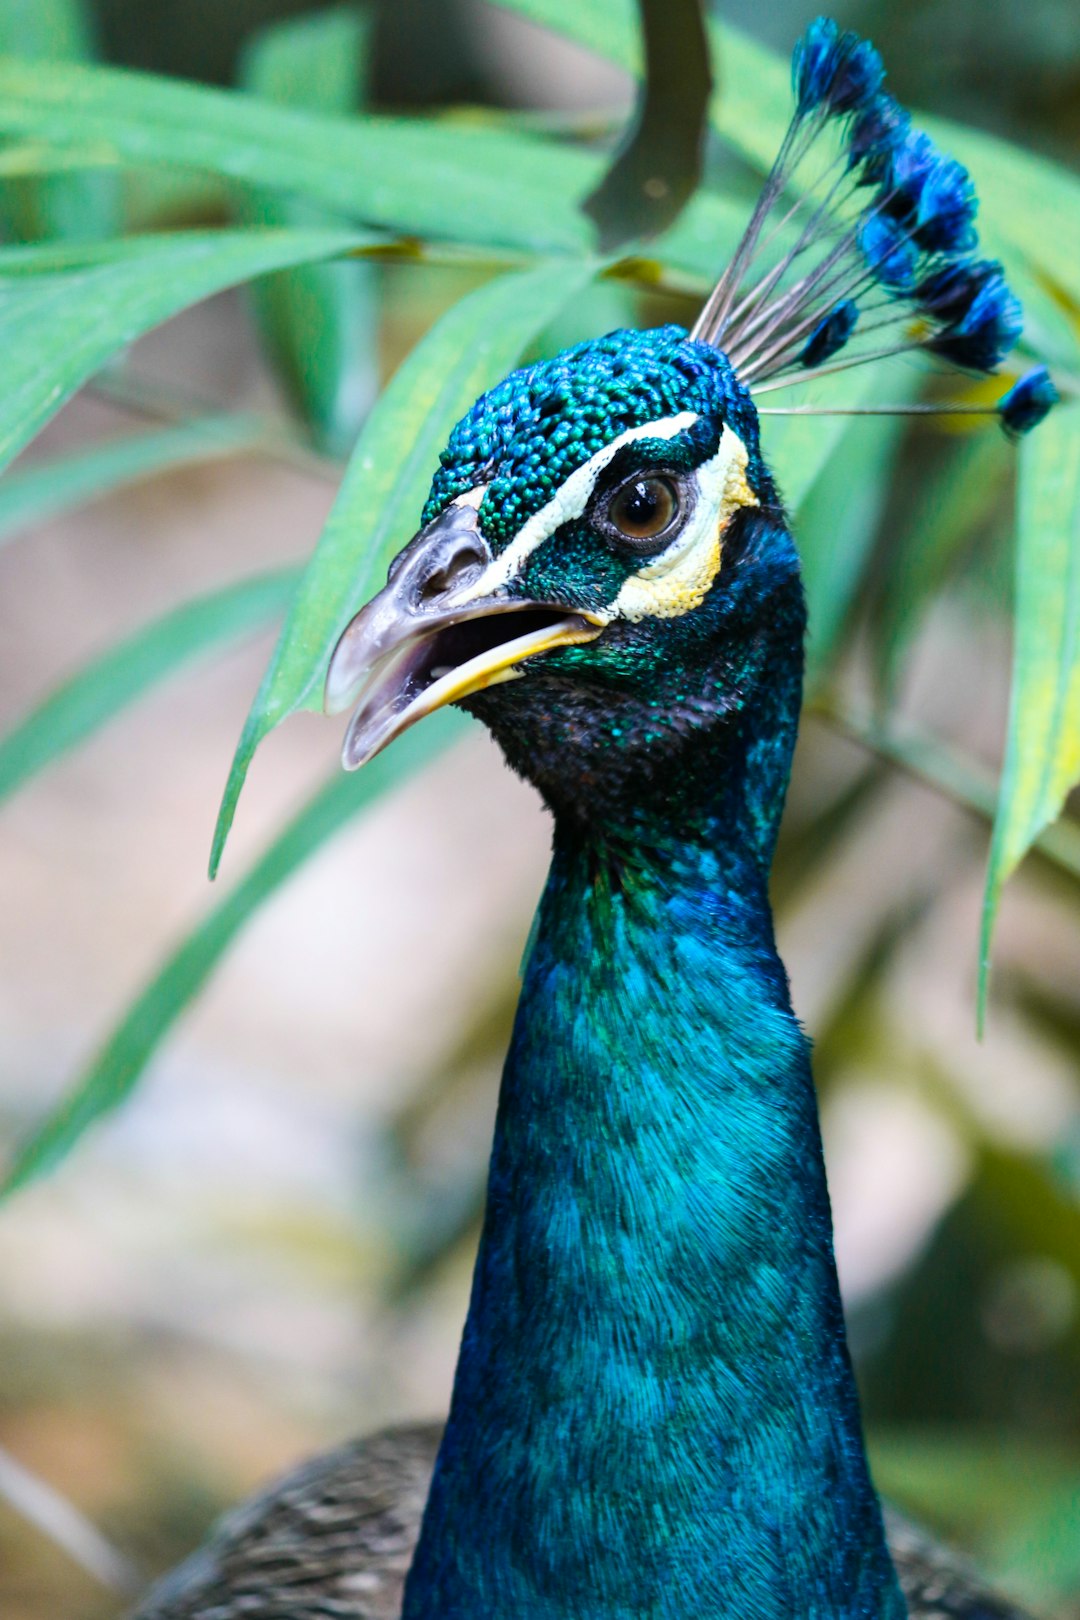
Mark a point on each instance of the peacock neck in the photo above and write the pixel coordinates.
(654, 1413)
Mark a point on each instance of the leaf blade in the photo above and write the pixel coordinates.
(105, 685)
(55, 486)
(115, 1071)
(57, 329)
(473, 345)
(317, 320)
(444, 178)
(1042, 754)
(70, 205)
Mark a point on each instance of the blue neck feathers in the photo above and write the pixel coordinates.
(654, 1413)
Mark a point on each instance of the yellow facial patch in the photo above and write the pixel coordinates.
(677, 581)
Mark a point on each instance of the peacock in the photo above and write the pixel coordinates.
(654, 1412)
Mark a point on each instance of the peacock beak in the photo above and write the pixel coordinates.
(434, 635)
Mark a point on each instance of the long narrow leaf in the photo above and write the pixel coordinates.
(57, 330)
(47, 205)
(839, 517)
(317, 321)
(798, 447)
(98, 692)
(432, 178)
(446, 179)
(56, 486)
(115, 1071)
(379, 503)
(1042, 756)
(950, 500)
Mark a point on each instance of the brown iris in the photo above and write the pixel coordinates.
(643, 508)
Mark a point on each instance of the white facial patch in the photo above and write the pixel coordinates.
(569, 501)
(677, 581)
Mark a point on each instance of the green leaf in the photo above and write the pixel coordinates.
(441, 178)
(106, 685)
(56, 486)
(607, 27)
(57, 330)
(1031, 202)
(47, 205)
(951, 498)
(798, 446)
(839, 516)
(1042, 754)
(469, 182)
(316, 320)
(117, 1067)
(378, 506)
(658, 166)
(752, 96)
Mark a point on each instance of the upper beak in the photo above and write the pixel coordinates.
(434, 636)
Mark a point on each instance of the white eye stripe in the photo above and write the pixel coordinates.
(569, 501)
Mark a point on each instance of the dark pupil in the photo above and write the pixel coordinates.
(643, 508)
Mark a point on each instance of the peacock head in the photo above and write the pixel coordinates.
(584, 579)
(603, 571)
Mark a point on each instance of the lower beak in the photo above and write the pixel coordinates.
(410, 651)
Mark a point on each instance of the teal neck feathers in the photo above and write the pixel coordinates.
(654, 1412)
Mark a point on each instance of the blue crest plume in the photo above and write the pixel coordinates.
(1027, 402)
(863, 239)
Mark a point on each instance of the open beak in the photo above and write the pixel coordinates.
(433, 636)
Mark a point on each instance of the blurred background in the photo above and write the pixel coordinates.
(269, 1247)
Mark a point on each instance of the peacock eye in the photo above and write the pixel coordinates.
(643, 509)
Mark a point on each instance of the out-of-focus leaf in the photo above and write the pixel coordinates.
(56, 486)
(1030, 201)
(942, 768)
(59, 30)
(804, 851)
(798, 447)
(378, 506)
(58, 204)
(1015, 1495)
(441, 178)
(115, 1071)
(946, 503)
(659, 165)
(56, 330)
(447, 179)
(316, 319)
(839, 516)
(103, 687)
(1042, 755)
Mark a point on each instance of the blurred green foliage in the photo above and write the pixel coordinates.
(971, 1358)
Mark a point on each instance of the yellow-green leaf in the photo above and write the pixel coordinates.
(317, 320)
(116, 1069)
(378, 506)
(105, 685)
(1042, 755)
(457, 181)
(57, 329)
